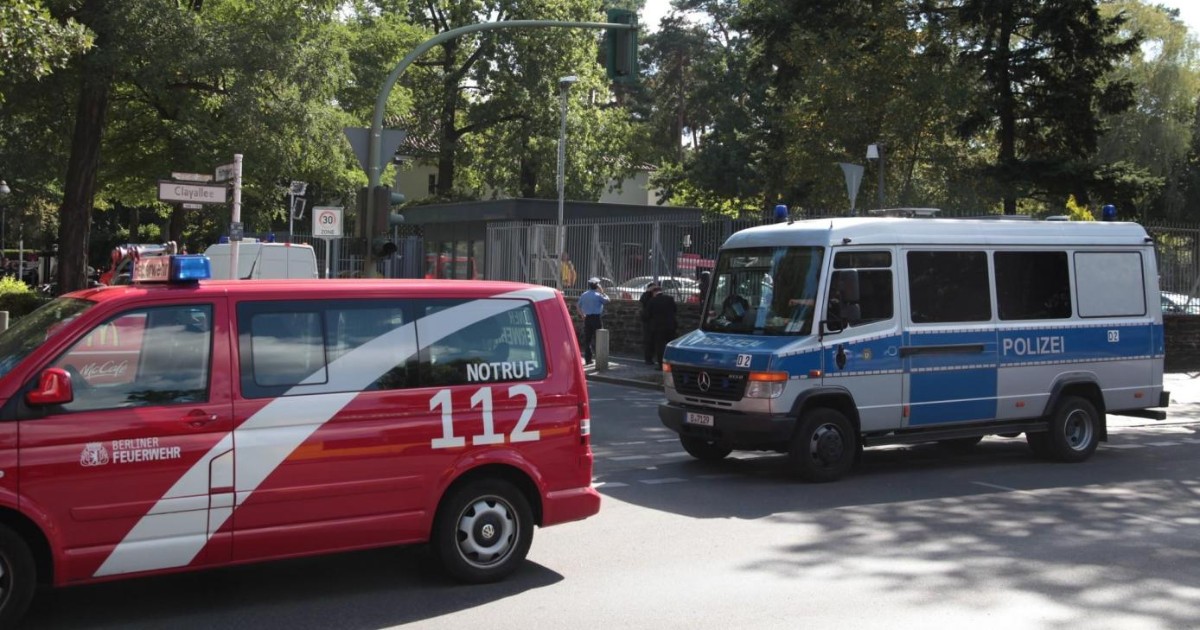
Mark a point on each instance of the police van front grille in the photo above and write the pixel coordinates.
(721, 385)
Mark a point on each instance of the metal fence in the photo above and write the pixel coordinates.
(621, 252)
(625, 253)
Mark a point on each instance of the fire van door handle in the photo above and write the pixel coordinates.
(197, 418)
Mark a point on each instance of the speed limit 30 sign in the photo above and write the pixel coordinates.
(327, 222)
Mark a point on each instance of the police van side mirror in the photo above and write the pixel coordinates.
(53, 388)
(830, 326)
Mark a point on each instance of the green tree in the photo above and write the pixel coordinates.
(1045, 86)
(33, 44)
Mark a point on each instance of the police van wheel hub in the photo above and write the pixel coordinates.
(824, 447)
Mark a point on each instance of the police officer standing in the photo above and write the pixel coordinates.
(591, 306)
(661, 309)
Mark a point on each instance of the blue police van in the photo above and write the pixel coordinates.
(821, 337)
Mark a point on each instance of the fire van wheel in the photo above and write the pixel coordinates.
(824, 447)
(17, 577)
(1074, 430)
(483, 531)
(704, 450)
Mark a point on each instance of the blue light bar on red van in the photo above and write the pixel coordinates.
(171, 269)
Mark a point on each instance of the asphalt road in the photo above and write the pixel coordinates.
(917, 537)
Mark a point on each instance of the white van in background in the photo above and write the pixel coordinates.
(257, 260)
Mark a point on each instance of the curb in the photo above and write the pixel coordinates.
(629, 382)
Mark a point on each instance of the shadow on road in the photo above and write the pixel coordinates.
(364, 589)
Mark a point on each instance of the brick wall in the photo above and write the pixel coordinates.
(625, 332)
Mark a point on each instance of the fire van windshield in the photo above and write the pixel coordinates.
(764, 291)
(31, 331)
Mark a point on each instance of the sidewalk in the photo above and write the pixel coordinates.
(626, 371)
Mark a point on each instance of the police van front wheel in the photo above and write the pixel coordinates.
(17, 577)
(483, 531)
(704, 450)
(1074, 430)
(824, 447)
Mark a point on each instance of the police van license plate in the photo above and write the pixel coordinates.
(701, 419)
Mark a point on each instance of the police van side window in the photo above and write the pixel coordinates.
(1110, 284)
(1032, 285)
(496, 347)
(144, 357)
(948, 286)
(875, 295)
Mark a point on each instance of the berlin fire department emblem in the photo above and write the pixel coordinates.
(94, 454)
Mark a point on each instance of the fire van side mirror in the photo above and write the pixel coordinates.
(54, 388)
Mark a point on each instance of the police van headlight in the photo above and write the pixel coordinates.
(766, 384)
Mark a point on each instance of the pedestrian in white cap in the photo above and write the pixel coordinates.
(591, 306)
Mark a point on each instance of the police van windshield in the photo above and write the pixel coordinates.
(764, 291)
(31, 331)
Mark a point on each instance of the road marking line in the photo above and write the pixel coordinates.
(1124, 446)
(627, 443)
(627, 458)
(675, 454)
(997, 487)
(1163, 443)
(1151, 519)
(654, 482)
(611, 484)
(676, 440)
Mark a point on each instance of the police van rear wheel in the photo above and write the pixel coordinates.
(824, 447)
(17, 577)
(1074, 430)
(704, 450)
(483, 531)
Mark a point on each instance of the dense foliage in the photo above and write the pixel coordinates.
(976, 105)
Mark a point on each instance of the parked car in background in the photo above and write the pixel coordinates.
(1179, 304)
(682, 289)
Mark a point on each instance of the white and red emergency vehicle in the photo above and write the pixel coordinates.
(152, 428)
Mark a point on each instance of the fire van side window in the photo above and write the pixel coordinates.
(144, 357)
(482, 341)
(287, 349)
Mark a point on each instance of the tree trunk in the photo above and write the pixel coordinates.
(446, 126)
(1008, 117)
(75, 215)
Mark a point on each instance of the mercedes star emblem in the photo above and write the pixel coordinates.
(705, 381)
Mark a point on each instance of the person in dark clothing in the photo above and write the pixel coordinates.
(705, 279)
(662, 322)
(647, 335)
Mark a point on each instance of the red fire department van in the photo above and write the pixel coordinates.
(188, 424)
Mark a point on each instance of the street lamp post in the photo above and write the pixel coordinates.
(875, 152)
(4, 191)
(564, 84)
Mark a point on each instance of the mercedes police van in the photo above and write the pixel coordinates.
(821, 337)
(177, 423)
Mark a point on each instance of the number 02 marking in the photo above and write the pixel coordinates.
(483, 398)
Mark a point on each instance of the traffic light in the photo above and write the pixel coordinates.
(621, 44)
(382, 219)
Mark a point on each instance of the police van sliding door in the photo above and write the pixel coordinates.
(949, 348)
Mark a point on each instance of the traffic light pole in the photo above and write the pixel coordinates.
(375, 138)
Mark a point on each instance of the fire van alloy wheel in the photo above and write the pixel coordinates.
(824, 447)
(17, 577)
(1074, 430)
(483, 531)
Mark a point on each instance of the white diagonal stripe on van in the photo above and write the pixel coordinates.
(167, 538)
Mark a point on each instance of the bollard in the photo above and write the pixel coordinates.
(601, 349)
(3, 320)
